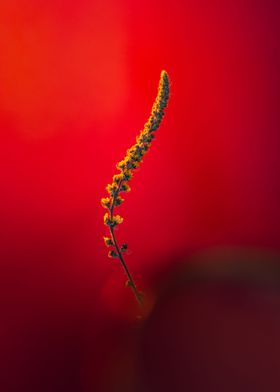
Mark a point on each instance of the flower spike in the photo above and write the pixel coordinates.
(130, 162)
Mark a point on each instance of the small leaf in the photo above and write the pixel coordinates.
(113, 254)
(116, 220)
(125, 188)
(124, 247)
(106, 202)
(121, 165)
(117, 178)
(127, 175)
(107, 220)
(108, 241)
(128, 283)
(118, 200)
(112, 189)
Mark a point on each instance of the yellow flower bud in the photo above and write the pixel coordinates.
(106, 202)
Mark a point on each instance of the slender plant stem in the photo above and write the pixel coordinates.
(112, 232)
(130, 279)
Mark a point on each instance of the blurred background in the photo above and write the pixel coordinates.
(78, 80)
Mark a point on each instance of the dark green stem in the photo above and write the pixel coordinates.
(119, 252)
(130, 279)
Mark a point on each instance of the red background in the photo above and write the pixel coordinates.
(77, 81)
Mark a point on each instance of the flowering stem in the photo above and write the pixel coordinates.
(126, 167)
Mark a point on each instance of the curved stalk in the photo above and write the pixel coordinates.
(131, 161)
